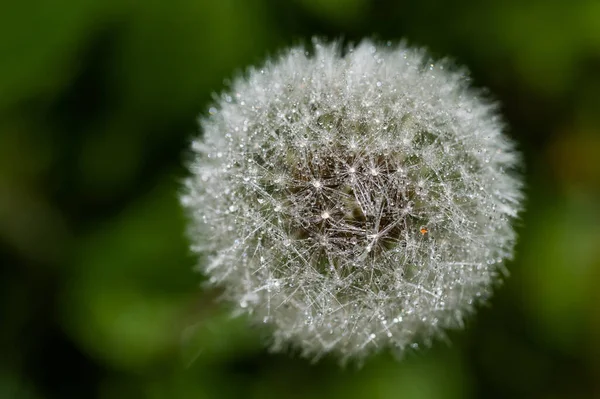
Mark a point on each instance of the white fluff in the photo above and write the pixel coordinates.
(353, 202)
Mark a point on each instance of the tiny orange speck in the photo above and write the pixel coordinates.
(423, 230)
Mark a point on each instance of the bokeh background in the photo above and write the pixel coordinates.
(98, 103)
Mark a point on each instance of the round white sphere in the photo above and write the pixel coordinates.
(353, 201)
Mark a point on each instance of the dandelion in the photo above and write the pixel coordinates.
(354, 199)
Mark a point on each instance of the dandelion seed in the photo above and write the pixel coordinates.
(389, 142)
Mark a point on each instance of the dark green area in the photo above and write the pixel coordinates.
(98, 102)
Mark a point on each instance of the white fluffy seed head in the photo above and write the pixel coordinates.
(353, 202)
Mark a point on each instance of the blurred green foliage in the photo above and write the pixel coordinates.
(98, 102)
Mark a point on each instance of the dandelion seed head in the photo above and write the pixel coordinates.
(353, 202)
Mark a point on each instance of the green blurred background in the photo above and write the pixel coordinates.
(98, 103)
